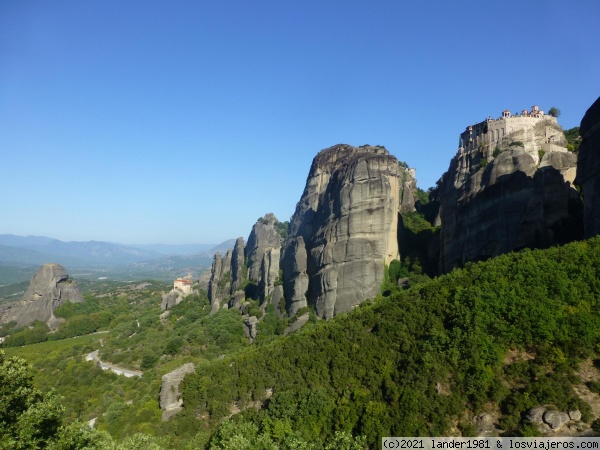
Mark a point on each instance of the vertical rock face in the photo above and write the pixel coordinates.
(262, 252)
(408, 190)
(257, 263)
(295, 278)
(48, 289)
(508, 194)
(237, 265)
(343, 231)
(215, 290)
(170, 401)
(588, 168)
(219, 286)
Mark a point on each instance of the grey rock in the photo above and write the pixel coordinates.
(536, 416)
(214, 290)
(276, 297)
(588, 168)
(237, 265)
(219, 286)
(485, 425)
(344, 227)
(513, 202)
(408, 190)
(295, 278)
(182, 287)
(170, 299)
(49, 288)
(170, 401)
(263, 254)
(204, 280)
(269, 269)
(575, 415)
(237, 299)
(299, 323)
(556, 419)
(251, 330)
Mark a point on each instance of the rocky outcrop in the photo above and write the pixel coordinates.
(263, 254)
(170, 401)
(508, 194)
(408, 189)
(547, 419)
(219, 285)
(238, 270)
(49, 288)
(182, 287)
(250, 329)
(204, 280)
(588, 168)
(227, 278)
(343, 231)
(295, 278)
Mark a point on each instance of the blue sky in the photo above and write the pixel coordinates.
(184, 121)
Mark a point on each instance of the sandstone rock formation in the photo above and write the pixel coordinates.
(250, 330)
(507, 193)
(250, 270)
(204, 280)
(170, 401)
(238, 271)
(48, 289)
(214, 293)
(263, 252)
(408, 190)
(343, 231)
(588, 168)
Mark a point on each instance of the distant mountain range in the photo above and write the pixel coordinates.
(160, 261)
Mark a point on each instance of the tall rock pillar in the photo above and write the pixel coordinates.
(344, 230)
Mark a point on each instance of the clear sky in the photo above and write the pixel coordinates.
(183, 121)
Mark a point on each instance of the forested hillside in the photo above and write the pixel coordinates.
(498, 337)
(423, 361)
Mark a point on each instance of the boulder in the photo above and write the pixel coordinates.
(536, 416)
(556, 419)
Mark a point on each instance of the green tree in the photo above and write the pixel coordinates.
(554, 112)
